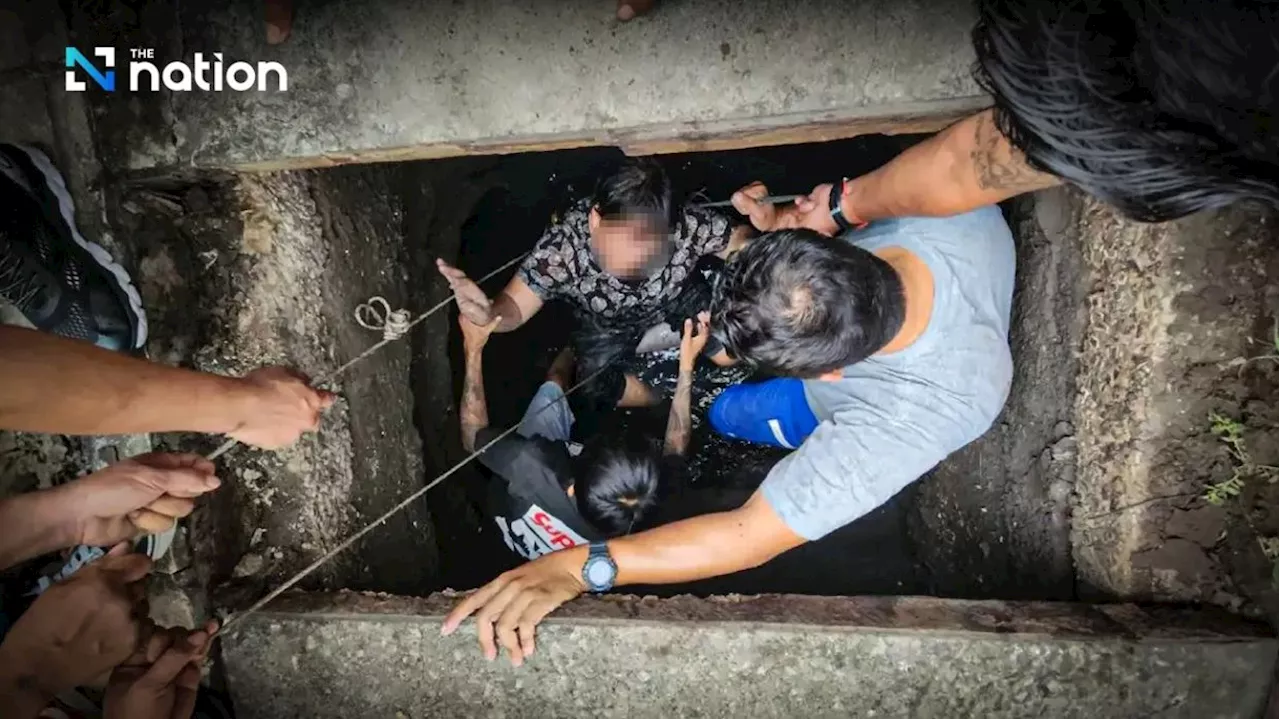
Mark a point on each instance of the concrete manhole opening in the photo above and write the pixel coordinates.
(1089, 486)
(277, 262)
(270, 267)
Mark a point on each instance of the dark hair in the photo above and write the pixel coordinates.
(616, 483)
(799, 304)
(639, 187)
(1158, 107)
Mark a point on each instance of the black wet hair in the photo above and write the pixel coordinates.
(617, 481)
(795, 303)
(1160, 108)
(638, 188)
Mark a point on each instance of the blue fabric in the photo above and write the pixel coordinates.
(554, 423)
(771, 412)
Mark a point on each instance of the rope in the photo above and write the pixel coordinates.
(292, 581)
(393, 324)
(232, 442)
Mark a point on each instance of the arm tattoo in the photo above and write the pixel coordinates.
(678, 423)
(998, 165)
(474, 414)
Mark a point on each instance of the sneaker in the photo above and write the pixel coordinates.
(58, 280)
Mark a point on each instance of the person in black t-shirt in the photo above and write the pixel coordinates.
(551, 493)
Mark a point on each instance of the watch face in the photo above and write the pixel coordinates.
(599, 573)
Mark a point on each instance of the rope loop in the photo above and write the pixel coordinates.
(377, 315)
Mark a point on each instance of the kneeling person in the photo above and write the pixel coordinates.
(551, 493)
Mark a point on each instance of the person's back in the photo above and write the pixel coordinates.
(959, 369)
(893, 350)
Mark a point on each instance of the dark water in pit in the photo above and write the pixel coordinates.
(870, 556)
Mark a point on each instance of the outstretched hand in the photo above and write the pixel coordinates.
(473, 303)
(510, 607)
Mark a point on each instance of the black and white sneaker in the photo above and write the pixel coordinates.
(61, 282)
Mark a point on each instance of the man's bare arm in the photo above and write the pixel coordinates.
(964, 167)
(706, 546)
(474, 412)
(678, 421)
(515, 305)
(61, 386)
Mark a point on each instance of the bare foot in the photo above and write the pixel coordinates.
(628, 9)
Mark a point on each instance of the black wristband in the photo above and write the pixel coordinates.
(837, 214)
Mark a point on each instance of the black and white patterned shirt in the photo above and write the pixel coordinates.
(562, 265)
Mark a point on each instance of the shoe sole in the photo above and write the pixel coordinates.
(66, 207)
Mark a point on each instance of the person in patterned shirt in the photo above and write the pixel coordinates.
(632, 267)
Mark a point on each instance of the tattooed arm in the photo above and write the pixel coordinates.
(966, 166)
(678, 421)
(474, 413)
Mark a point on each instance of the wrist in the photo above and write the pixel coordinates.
(41, 522)
(227, 405)
(575, 559)
(852, 206)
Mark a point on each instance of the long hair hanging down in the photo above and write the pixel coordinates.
(1159, 107)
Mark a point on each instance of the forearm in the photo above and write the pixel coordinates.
(474, 413)
(709, 545)
(33, 524)
(678, 421)
(509, 311)
(62, 386)
(964, 167)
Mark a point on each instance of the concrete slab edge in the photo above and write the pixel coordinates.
(666, 138)
(1057, 620)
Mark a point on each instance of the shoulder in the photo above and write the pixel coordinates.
(571, 227)
(979, 230)
(707, 229)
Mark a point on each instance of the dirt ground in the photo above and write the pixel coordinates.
(1219, 537)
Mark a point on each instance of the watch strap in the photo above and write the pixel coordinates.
(843, 222)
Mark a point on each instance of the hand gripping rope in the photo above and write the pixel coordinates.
(377, 315)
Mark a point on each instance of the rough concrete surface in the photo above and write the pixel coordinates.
(252, 271)
(993, 520)
(751, 657)
(380, 80)
(1181, 320)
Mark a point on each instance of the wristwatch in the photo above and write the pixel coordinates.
(843, 222)
(599, 571)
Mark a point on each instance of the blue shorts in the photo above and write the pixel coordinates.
(771, 412)
(554, 422)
